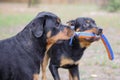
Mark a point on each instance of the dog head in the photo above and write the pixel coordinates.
(85, 24)
(48, 24)
(47, 27)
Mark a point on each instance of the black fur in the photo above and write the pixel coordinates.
(74, 52)
(21, 55)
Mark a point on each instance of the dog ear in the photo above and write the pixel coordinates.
(45, 14)
(40, 21)
(38, 27)
(71, 23)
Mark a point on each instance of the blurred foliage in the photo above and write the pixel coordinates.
(33, 2)
(113, 5)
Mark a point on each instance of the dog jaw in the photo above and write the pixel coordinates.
(62, 35)
(84, 44)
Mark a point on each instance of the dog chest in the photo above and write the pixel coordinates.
(68, 61)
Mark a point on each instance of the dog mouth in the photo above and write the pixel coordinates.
(85, 41)
(95, 32)
(92, 39)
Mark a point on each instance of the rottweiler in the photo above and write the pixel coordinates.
(22, 54)
(64, 55)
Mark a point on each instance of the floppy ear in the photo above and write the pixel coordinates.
(71, 23)
(39, 22)
(38, 27)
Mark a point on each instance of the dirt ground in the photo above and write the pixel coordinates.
(95, 64)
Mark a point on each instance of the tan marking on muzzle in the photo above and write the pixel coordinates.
(88, 21)
(78, 29)
(69, 32)
(49, 34)
(83, 43)
(94, 30)
(62, 35)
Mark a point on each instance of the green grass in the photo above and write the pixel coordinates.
(115, 65)
(9, 20)
(14, 20)
(10, 24)
(65, 12)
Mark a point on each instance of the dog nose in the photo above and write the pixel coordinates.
(100, 31)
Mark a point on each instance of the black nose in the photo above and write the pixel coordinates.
(100, 31)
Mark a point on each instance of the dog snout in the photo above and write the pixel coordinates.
(100, 31)
(97, 30)
(67, 30)
(70, 31)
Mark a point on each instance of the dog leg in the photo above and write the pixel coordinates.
(44, 65)
(50, 42)
(36, 76)
(54, 71)
(74, 72)
(70, 76)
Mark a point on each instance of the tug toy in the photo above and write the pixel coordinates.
(85, 34)
(92, 35)
(108, 47)
(82, 35)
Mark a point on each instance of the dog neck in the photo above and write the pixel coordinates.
(26, 38)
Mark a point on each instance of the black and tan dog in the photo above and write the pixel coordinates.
(21, 55)
(63, 55)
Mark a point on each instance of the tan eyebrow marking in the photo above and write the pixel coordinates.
(88, 21)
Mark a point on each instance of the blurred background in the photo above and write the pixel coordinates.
(95, 65)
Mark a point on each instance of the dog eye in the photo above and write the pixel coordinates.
(57, 24)
(86, 25)
(87, 21)
(58, 20)
(94, 22)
